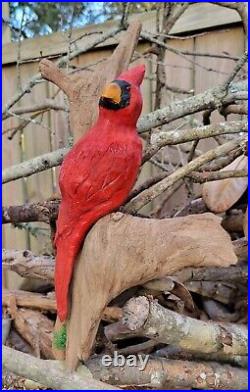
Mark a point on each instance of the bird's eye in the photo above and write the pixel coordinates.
(112, 92)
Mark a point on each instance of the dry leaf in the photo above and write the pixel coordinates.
(220, 195)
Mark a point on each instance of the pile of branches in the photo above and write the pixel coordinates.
(189, 325)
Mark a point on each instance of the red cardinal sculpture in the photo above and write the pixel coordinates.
(97, 174)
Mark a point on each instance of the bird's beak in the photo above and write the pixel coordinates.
(112, 92)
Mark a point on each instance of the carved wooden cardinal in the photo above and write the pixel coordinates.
(98, 173)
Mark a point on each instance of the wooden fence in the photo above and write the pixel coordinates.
(211, 29)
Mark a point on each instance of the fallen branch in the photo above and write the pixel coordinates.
(151, 193)
(165, 138)
(35, 328)
(27, 299)
(238, 273)
(27, 265)
(46, 105)
(172, 352)
(50, 373)
(144, 317)
(214, 176)
(31, 212)
(158, 373)
(35, 165)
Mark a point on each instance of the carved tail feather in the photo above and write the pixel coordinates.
(67, 250)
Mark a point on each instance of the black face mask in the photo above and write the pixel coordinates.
(108, 103)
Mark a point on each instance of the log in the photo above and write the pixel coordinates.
(50, 373)
(158, 373)
(46, 211)
(27, 265)
(238, 273)
(42, 302)
(36, 329)
(29, 300)
(148, 249)
(145, 317)
(172, 374)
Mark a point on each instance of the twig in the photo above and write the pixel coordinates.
(214, 176)
(151, 193)
(50, 373)
(35, 165)
(165, 138)
(237, 68)
(47, 104)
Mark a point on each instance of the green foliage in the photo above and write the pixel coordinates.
(60, 338)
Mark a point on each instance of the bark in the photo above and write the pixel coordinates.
(146, 253)
(50, 373)
(245, 223)
(196, 206)
(46, 105)
(27, 265)
(164, 138)
(238, 273)
(36, 329)
(144, 317)
(210, 99)
(215, 176)
(28, 299)
(42, 302)
(158, 373)
(168, 374)
(241, 248)
(172, 352)
(151, 193)
(34, 165)
(31, 212)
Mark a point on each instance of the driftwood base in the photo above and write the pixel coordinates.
(122, 251)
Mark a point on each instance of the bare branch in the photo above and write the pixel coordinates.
(164, 138)
(50, 373)
(35, 165)
(214, 176)
(151, 193)
(47, 104)
(240, 63)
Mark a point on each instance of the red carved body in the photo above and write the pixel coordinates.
(95, 179)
